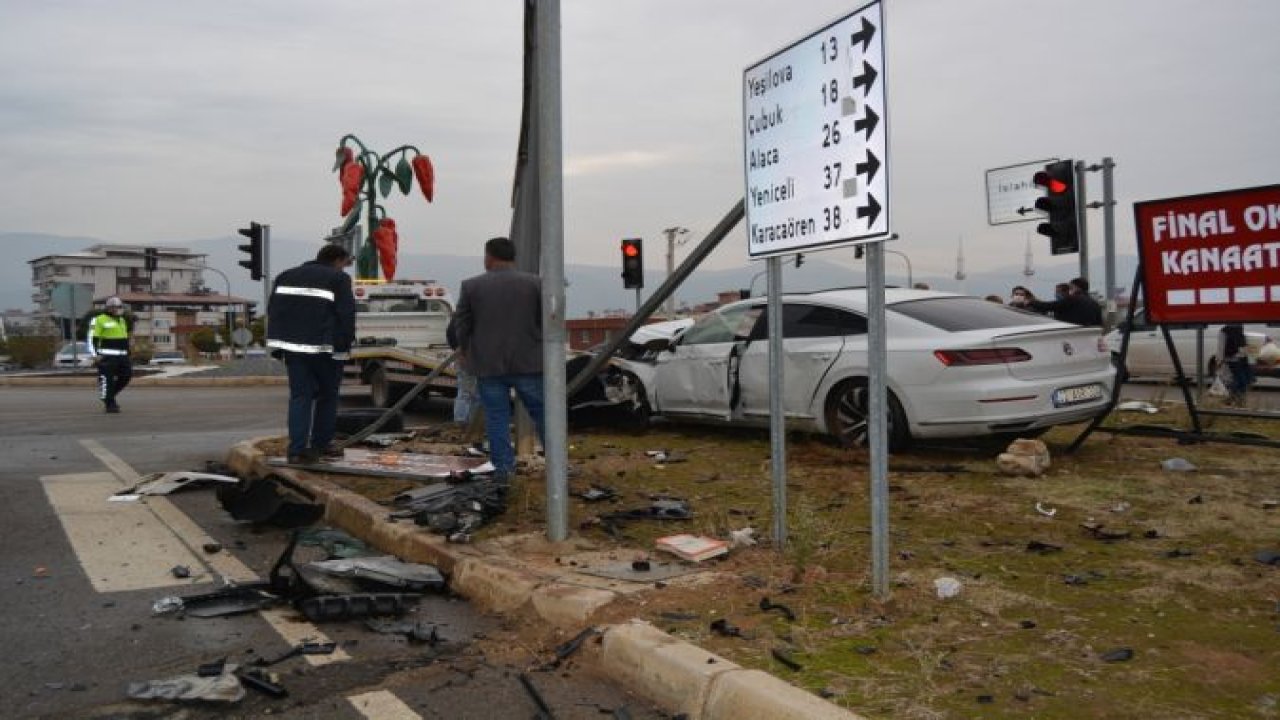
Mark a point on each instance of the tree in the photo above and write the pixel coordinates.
(206, 340)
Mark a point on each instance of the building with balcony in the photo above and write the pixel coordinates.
(167, 303)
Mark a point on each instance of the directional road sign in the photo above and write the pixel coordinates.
(815, 135)
(1011, 196)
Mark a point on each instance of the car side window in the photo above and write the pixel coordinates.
(811, 321)
(722, 326)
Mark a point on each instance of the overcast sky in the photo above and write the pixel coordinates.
(156, 121)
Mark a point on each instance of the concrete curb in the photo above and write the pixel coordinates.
(53, 381)
(675, 675)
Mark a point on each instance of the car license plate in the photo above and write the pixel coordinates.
(1063, 397)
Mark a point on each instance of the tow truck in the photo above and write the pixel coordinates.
(400, 338)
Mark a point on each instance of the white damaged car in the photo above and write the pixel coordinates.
(958, 366)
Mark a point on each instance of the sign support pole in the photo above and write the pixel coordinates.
(777, 418)
(877, 416)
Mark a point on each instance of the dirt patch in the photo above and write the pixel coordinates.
(1029, 630)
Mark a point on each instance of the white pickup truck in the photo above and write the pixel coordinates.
(400, 337)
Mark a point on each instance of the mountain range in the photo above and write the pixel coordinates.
(590, 288)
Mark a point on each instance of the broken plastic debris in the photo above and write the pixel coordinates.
(947, 587)
(745, 537)
(167, 482)
(166, 605)
(223, 688)
(1122, 654)
(1177, 464)
(1138, 406)
(1047, 512)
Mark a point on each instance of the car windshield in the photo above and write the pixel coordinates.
(958, 314)
(80, 347)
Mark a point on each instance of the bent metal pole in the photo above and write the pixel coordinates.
(695, 258)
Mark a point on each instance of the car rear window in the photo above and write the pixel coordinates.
(957, 314)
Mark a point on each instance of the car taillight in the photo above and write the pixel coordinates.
(981, 356)
(1102, 344)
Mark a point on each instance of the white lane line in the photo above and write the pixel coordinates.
(178, 526)
(382, 705)
(121, 547)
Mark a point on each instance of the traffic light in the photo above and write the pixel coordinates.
(151, 259)
(1059, 201)
(254, 248)
(632, 263)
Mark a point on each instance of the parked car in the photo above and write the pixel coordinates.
(1148, 356)
(168, 357)
(75, 354)
(958, 366)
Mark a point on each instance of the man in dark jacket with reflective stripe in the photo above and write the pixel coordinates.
(311, 323)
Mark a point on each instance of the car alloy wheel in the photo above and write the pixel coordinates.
(847, 413)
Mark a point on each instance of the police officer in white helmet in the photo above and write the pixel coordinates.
(108, 338)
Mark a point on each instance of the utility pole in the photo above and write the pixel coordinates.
(671, 234)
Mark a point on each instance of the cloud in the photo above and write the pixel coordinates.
(615, 162)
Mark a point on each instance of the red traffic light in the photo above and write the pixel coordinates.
(1050, 183)
(630, 249)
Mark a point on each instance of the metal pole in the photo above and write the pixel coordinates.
(877, 415)
(266, 273)
(551, 226)
(1109, 237)
(907, 260)
(1082, 225)
(671, 269)
(694, 259)
(777, 416)
(637, 301)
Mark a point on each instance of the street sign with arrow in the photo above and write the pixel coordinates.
(1011, 196)
(817, 163)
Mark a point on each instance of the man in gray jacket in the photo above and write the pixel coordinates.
(499, 330)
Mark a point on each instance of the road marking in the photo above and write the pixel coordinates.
(382, 705)
(120, 546)
(165, 527)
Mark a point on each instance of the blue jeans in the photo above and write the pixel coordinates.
(313, 399)
(495, 398)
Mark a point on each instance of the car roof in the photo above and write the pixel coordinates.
(856, 297)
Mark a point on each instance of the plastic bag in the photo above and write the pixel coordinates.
(1218, 389)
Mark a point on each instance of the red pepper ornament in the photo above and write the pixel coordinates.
(352, 177)
(426, 175)
(387, 242)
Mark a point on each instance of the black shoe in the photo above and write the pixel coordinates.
(333, 452)
(113, 408)
(306, 457)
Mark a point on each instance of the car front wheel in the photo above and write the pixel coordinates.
(847, 413)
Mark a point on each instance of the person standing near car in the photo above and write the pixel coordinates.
(499, 333)
(311, 323)
(108, 339)
(1233, 349)
(1076, 308)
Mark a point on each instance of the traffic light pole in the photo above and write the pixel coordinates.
(266, 273)
(1082, 226)
(1109, 237)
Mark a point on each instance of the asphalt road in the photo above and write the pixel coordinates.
(79, 576)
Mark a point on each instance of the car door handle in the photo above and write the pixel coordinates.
(824, 357)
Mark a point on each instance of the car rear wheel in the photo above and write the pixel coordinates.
(847, 413)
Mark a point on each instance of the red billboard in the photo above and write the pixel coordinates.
(1211, 258)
